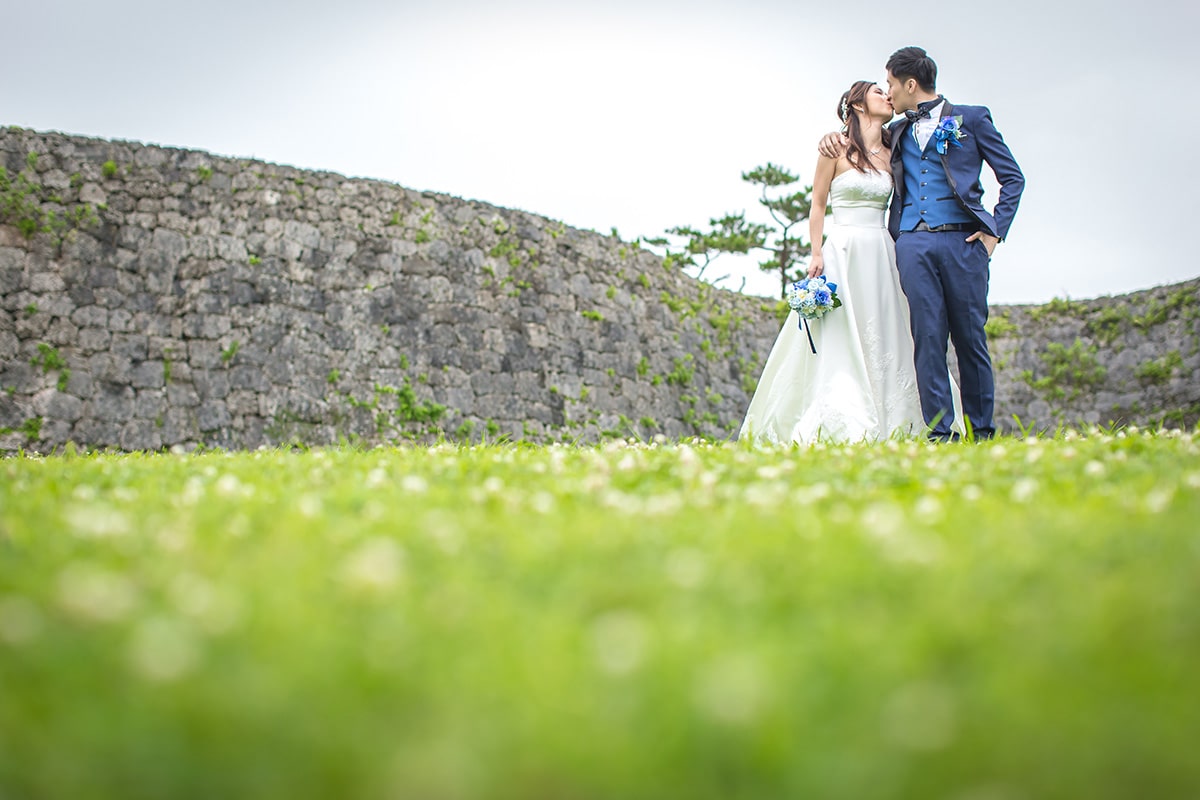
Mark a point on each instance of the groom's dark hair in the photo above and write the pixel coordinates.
(914, 62)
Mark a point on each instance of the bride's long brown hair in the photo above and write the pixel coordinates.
(857, 153)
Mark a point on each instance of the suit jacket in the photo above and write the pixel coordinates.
(982, 143)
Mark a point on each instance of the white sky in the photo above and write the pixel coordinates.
(643, 115)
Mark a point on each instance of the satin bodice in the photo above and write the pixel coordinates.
(860, 198)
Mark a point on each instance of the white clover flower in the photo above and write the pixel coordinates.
(447, 536)
(95, 594)
(97, 521)
(1159, 500)
(928, 507)
(619, 641)
(20, 620)
(594, 482)
(227, 485)
(309, 505)
(173, 538)
(375, 566)
(414, 484)
(765, 495)
(811, 495)
(193, 492)
(1024, 490)
(164, 649)
(921, 717)
(214, 608)
(541, 502)
(882, 519)
(686, 567)
(731, 689)
(663, 504)
(125, 494)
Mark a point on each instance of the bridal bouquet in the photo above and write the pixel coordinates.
(812, 298)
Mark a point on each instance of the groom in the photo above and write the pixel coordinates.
(944, 237)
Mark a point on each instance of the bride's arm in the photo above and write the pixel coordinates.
(822, 178)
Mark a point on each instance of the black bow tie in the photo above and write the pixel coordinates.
(922, 111)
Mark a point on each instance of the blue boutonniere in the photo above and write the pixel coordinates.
(949, 129)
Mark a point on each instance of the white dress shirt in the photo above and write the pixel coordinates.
(923, 129)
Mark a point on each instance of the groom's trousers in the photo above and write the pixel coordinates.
(945, 279)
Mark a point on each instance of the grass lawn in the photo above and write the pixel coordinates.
(1014, 619)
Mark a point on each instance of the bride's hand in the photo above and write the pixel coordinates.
(816, 266)
(833, 145)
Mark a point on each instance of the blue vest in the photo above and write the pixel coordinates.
(927, 193)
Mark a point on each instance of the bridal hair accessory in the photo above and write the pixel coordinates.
(812, 298)
(845, 107)
(948, 130)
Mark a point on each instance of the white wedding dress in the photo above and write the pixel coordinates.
(861, 383)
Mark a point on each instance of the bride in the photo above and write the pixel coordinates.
(861, 384)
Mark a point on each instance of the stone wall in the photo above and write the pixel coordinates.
(153, 297)
(1129, 359)
(176, 298)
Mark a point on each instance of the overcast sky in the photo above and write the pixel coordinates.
(643, 115)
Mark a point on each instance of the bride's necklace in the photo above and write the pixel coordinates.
(875, 152)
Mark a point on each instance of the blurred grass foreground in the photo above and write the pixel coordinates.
(1013, 619)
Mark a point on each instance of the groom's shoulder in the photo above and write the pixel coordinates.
(969, 110)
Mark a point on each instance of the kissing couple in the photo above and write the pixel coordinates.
(907, 285)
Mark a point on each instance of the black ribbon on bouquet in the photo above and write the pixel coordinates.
(804, 325)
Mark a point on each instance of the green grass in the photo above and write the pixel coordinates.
(1008, 619)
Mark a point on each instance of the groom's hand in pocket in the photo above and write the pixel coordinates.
(989, 241)
(833, 145)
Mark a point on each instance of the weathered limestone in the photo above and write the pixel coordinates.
(174, 298)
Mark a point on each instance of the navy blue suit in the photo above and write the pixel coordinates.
(944, 277)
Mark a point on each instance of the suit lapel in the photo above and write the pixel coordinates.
(899, 131)
(898, 134)
(947, 111)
